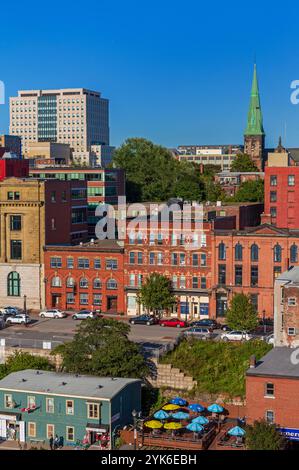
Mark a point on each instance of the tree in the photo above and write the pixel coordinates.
(264, 436)
(156, 293)
(243, 162)
(21, 361)
(250, 191)
(101, 347)
(214, 192)
(241, 315)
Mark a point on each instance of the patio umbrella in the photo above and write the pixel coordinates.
(180, 415)
(170, 407)
(161, 415)
(200, 420)
(178, 401)
(236, 431)
(172, 426)
(153, 424)
(215, 408)
(195, 427)
(196, 407)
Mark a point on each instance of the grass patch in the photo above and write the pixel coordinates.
(217, 367)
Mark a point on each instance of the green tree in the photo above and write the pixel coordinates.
(101, 347)
(156, 293)
(264, 436)
(214, 192)
(243, 162)
(21, 361)
(241, 315)
(250, 191)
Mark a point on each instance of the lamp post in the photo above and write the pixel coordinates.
(25, 303)
(134, 414)
(264, 325)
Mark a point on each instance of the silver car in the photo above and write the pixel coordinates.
(83, 315)
(199, 333)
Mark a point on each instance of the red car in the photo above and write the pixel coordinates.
(173, 322)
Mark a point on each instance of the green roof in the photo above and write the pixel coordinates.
(255, 117)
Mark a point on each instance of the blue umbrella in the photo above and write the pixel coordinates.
(195, 427)
(196, 407)
(161, 415)
(236, 431)
(178, 401)
(200, 420)
(215, 408)
(180, 415)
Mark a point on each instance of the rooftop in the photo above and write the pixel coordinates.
(95, 245)
(277, 363)
(291, 275)
(54, 383)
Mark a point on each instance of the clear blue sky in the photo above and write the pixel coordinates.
(175, 72)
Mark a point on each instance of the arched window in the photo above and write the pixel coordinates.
(70, 282)
(277, 253)
(254, 252)
(238, 252)
(294, 254)
(56, 281)
(221, 251)
(111, 284)
(83, 283)
(97, 283)
(14, 284)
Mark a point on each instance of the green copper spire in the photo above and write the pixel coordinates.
(255, 117)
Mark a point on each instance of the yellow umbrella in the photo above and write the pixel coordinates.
(171, 407)
(172, 425)
(153, 424)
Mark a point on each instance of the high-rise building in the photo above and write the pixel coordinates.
(73, 116)
(254, 137)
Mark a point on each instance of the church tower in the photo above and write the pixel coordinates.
(254, 137)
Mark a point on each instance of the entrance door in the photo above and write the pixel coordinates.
(56, 301)
(112, 304)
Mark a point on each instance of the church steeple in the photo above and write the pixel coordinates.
(255, 117)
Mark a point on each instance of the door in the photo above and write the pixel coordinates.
(112, 304)
(3, 428)
(56, 300)
(22, 431)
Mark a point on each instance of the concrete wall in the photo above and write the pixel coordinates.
(170, 377)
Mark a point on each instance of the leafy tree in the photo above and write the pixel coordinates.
(243, 162)
(101, 347)
(21, 361)
(250, 191)
(264, 436)
(214, 192)
(156, 293)
(241, 315)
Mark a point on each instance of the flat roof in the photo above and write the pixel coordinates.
(54, 383)
(277, 363)
(96, 245)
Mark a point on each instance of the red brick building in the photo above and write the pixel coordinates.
(13, 167)
(272, 389)
(230, 182)
(89, 275)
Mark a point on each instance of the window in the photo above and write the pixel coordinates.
(15, 222)
(152, 238)
(182, 259)
(13, 284)
(83, 299)
(97, 263)
(70, 298)
(70, 433)
(93, 410)
(291, 180)
(174, 259)
(269, 390)
(31, 402)
(139, 257)
(273, 196)
(132, 280)
(70, 263)
(270, 416)
(13, 196)
(111, 264)
(97, 299)
(83, 263)
(294, 254)
(8, 402)
(50, 430)
(15, 249)
(221, 251)
(277, 253)
(292, 331)
(195, 259)
(97, 284)
(132, 257)
(182, 282)
(112, 284)
(203, 259)
(194, 282)
(276, 271)
(292, 302)
(152, 258)
(83, 283)
(31, 429)
(222, 274)
(70, 282)
(254, 252)
(254, 301)
(254, 276)
(159, 259)
(50, 405)
(203, 282)
(273, 180)
(238, 275)
(56, 281)
(238, 252)
(69, 407)
(55, 262)
(273, 212)
(174, 282)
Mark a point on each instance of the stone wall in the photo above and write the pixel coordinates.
(6, 351)
(165, 375)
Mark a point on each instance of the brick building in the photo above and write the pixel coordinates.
(89, 275)
(272, 389)
(13, 167)
(230, 182)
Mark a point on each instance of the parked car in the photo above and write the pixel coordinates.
(143, 320)
(270, 339)
(205, 323)
(199, 333)
(236, 336)
(21, 319)
(175, 322)
(84, 314)
(13, 311)
(52, 313)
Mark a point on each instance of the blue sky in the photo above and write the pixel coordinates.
(175, 72)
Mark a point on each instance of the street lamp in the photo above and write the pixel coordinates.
(25, 304)
(264, 325)
(134, 414)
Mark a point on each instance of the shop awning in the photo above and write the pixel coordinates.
(97, 427)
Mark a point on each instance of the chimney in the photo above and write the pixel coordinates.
(252, 363)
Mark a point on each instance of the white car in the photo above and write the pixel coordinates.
(236, 335)
(270, 339)
(18, 320)
(52, 313)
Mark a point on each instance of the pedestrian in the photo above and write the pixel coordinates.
(51, 442)
(56, 442)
